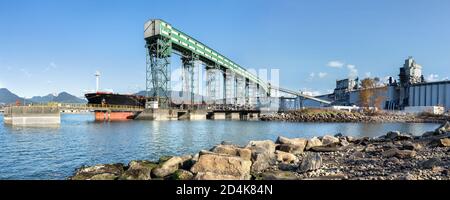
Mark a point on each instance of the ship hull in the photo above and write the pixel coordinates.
(115, 99)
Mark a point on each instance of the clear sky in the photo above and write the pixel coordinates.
(53, 46)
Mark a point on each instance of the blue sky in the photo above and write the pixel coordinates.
(53, 46)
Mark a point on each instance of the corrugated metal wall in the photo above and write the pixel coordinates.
(430, 94)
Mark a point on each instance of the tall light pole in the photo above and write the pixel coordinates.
(97, 76)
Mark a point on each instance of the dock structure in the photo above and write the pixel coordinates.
(32, 116)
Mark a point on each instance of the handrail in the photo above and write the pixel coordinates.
(81, 106)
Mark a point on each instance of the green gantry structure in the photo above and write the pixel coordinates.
(162, 39)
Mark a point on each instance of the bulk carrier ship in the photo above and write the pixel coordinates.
(113, 99)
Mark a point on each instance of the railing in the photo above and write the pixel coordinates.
(79, 106)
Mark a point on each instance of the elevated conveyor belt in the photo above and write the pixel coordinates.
(182, 42)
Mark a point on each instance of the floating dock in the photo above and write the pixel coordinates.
(32, 116)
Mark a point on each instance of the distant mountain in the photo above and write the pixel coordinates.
(62, 97)
(7, 97)
(43, 99)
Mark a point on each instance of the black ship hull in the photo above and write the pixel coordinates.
(115, 99)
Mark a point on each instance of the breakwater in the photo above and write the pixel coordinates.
(323, 115)
(394, 155)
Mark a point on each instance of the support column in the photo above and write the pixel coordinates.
(211, 85)
(247, 93)
(190, 65)
(158, 70)
(224, 73)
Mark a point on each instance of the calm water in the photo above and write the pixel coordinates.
(54, 153)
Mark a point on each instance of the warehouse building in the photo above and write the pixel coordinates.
(410, 91)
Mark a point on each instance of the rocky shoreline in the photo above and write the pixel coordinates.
(393, 156)
(319, 115)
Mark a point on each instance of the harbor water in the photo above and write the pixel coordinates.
(55, 152)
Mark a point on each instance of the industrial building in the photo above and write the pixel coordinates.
(411, 90)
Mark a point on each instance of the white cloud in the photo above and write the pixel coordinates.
(52, 65)
(352, 71)
(335, 64)
(432, 77)
(445, 78)
(313, 75)
(25, 72)
(322, 74)
(368, 74)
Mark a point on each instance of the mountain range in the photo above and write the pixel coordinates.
(8, 97)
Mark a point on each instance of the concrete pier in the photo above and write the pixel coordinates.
(177, 114)
(32, 116)
(157, 114)
(219, 116)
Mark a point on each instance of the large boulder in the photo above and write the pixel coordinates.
(138, 170)
(170, 166)
(263, 154)
(396, 135)
(329, 140)
(297, 145)
(312, 161)
(233, 150)
(285, 157)
(99, 172)
(217, 166)
(313, 142)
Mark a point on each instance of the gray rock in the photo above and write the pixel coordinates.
(396, 135)
(278, 175)
(233, 150)
(263, 154)
(170, 166)
(327, 140)
(220, 166)
(297, 145)
(285, 157)
(402, 154)
(444, 128)
(311, 162)
(411, 146)
(182, 174)
(104, 177)
(104, 171)
(138, 170)
(392, 135)
(439, 142)
(430, 163)
(326, 149)
(313, 142)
